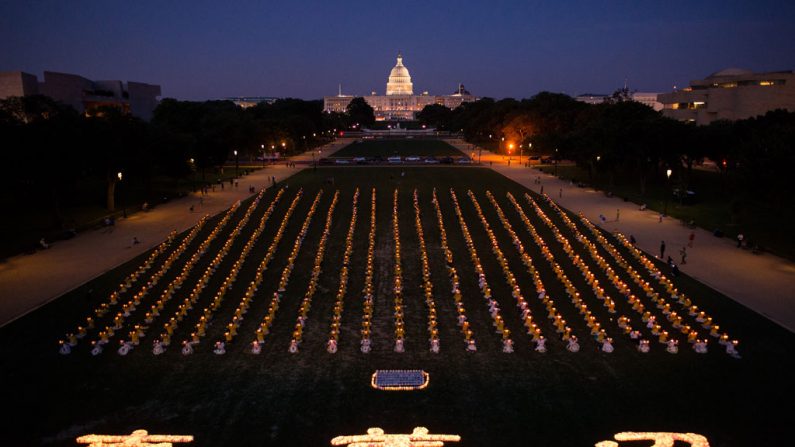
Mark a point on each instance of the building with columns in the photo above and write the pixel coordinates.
(400, 102)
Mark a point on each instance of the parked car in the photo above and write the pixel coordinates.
(394, 160)
(431, 160)
(547, 160)
(464, 161)
(447, 160)
(342, 161)
(360, 160)
(413, 158)
(534, 159)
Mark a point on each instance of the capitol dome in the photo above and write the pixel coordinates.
(399, 82)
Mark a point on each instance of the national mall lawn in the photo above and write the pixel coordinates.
(488, 397)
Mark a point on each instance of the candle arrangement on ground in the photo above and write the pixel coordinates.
(590, 319)
(461, 314)
(510, 279)
(400, 330)
(100, 311)
(226, 285)
(200, 329)
(638, 320)
(306, 303)
(140, 330)
(187, 305)
(339, 300)
(170, 326)
(367, 313)
(267, 321)
(399, 379)
(543, 295)
(427, 286)
(485, 290)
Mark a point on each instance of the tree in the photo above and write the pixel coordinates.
(518, 127)
(435, 115)
(360, 112)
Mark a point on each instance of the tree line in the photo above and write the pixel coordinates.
(622, 137)
(58, 160)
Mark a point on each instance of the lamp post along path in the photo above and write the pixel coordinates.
(667, 190)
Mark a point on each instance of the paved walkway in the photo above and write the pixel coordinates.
(30, 281)
(764, 283)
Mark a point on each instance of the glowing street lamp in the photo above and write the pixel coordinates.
(556, 162)
(237, 162)
(667, 189)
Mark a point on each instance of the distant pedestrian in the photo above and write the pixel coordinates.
(632, 240)
(191, 208)
(683, 255)
(661, 217)
(542, 190)
(602, 218)
(618, 214)
(690, 239)
(135, 241)
(740, 238)
(662, 249)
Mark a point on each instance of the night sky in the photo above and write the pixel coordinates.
(213, 49)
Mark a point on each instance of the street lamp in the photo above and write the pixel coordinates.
(510, 148)
(556, 162)
(667, 187)
(262, 146)
(124, 207)
(237, 162)
(192, 174)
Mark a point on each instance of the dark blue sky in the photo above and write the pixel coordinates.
(212, 49)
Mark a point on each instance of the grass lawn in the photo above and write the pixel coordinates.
(488, 397)
(403, 148)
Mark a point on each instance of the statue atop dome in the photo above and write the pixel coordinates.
(399, 82)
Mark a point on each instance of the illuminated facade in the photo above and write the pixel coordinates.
(400, 102)
(84, 95)
(731, 94)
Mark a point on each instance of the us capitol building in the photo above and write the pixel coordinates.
(400, 102)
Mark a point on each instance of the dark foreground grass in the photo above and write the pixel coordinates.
(403, 148)
(489, 398)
